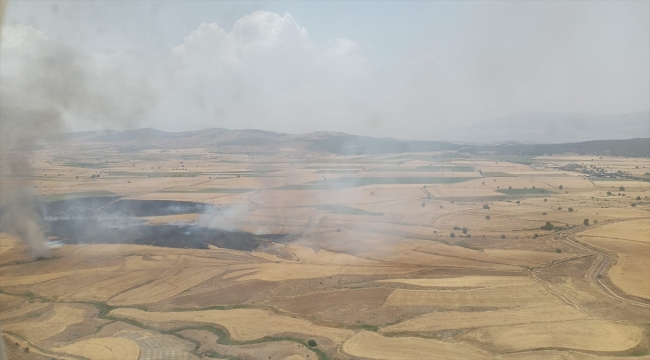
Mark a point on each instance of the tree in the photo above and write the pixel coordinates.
(487, 217)
(570, 209)
(510, 187)
(486, 207)
(464, 230)
(548, 226)
(621, 188)
(585, 222)
(545, 200)
(559, 208)
(452, 235)
(503, 236)
(609, 193)
(518, 202)
(312, 342)
(561, 187)
(456, 228)
(423, 205)
(638, 198)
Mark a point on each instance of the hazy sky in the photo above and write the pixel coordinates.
(380, 68)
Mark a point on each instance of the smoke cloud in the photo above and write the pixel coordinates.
(44, 83)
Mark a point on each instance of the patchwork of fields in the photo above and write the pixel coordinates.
(356, 257)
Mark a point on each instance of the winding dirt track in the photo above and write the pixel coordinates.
(603, 261)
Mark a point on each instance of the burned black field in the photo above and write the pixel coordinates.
(111, 220)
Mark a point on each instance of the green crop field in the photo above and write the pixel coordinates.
(75, 195)
(525, 191)
(210, 190)
(497, 174)
(352, 182)
(347, 210)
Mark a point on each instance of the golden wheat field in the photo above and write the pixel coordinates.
(303, 256)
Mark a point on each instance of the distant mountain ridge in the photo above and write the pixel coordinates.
(258, 141)
(554, 128)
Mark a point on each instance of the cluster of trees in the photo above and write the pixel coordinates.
(548, 226)
(464, 230)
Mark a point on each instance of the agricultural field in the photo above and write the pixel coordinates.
(193, 254)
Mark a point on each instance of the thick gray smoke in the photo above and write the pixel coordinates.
(42, 84)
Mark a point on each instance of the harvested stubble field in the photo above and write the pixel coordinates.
(363, 261)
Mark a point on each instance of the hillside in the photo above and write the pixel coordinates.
(258, 141)
(554, 128)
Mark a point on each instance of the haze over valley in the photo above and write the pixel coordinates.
(324, 180)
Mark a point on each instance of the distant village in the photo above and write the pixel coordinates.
(593, 171)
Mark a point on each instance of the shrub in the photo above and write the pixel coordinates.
(510, 187)
(545, 200)
(456, 228)
(570, 209)
(561, 187)
(558, 250)
(423, 205)
(535, 236)
(585, 222)
(486, 207)
(633, 205)
(544, 213)
(503, 236)
(638, 198)
(518, 202)
(609, 193)
(487, 217)
(452, 235)
(621, 188)
(559, 208)
(312, 342)
(548, 226)
(464, 230)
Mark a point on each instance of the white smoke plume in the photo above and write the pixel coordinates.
(43, 83)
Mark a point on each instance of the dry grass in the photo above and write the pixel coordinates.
(592, 335)
(112, 348)
(44, 327)
(474, 319)
(373, 346)
(499, 297)
(242, 324)
(180, 277)
(466, 281)
(400, 270)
